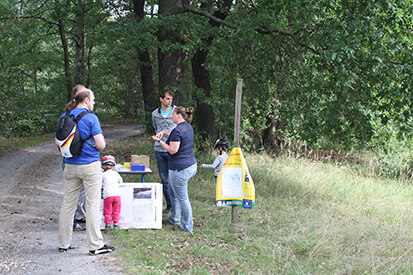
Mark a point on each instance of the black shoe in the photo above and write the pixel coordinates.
(166, 211)
(166, 222)
(104, 249)
(177, 227)
(65, 249)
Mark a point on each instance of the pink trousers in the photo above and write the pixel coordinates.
(111, 209)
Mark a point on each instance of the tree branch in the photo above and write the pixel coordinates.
(210, 16)
(262, 30)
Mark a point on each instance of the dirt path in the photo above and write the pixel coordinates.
(31, 193)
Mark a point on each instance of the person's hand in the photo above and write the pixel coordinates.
(160, 134)
(200, 166)
(155, 138)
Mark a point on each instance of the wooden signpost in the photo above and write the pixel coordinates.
(234, 185)
(237, 126)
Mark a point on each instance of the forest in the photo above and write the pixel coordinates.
(332, 75)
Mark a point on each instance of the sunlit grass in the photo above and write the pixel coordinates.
(310, 218)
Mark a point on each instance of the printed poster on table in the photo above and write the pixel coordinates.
(234, 183)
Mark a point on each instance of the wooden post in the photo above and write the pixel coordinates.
(237, 126)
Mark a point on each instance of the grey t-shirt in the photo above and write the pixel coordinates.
(162, 123)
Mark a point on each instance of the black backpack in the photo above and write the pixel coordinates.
(68, 135)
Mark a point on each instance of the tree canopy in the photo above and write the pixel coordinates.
(329, 73)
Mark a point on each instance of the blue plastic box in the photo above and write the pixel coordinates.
(137, 167)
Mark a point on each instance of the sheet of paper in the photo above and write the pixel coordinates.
(233, 182)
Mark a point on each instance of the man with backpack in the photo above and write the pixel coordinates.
(83, 168)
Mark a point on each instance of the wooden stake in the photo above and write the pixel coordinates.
(237, 126)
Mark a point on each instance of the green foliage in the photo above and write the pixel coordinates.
(330, 74)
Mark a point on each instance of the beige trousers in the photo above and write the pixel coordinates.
(90, 176)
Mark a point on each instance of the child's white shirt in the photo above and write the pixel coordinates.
(110, 183)
(217, 164)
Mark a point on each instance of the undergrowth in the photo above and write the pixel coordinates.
(310, 217)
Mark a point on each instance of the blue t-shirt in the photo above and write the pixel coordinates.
(184, 158)
(166, 113)
(88, 125)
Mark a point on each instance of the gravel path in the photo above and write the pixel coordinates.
(31, 184)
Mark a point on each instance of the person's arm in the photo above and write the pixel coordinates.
(216, 162)
(100, 142)
(173, 146)
(96, 131)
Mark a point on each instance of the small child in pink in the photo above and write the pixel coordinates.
(111, 192)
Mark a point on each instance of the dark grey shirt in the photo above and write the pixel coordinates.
(161, 123)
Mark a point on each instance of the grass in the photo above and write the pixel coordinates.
(12, 144)
(310, 218)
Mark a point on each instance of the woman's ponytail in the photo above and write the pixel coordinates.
(79, 97)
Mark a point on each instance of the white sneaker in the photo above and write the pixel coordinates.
(78, 227)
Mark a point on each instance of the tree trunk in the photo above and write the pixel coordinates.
(148, 91)
(80, 44)
(272, 136)
(66, 60)
(204, 113)
(88, 65)
(145, 65)
(171, 63)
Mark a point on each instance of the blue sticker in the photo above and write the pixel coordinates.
(247, 204)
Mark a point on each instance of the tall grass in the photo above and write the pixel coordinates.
(310, 218)
(394, 159)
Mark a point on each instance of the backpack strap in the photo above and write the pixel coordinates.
(78, 118)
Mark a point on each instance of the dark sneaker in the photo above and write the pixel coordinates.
(166, 211)
(177, 227)
(65, 249)
(115, 226)
(166, 222)
(104, 249)
(108, 227)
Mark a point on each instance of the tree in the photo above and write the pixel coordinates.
(172, 67)
(145, 66)
(80, 43)
(317, 62)
(204, 111)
